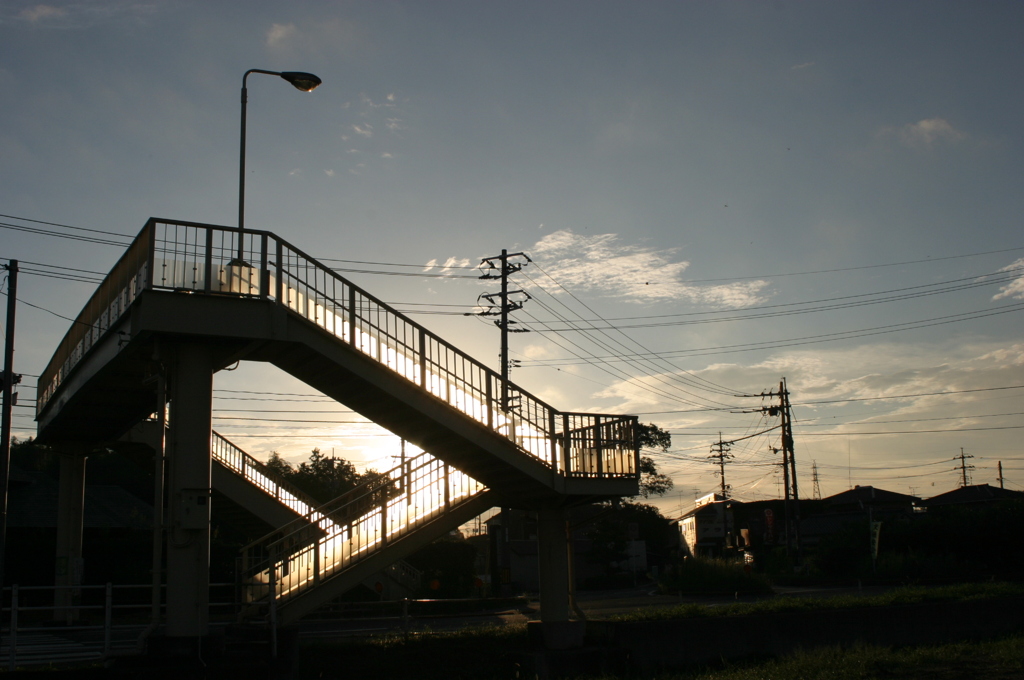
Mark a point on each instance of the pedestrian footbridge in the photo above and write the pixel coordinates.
(181, 305)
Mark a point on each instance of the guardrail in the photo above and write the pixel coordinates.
(198, 258)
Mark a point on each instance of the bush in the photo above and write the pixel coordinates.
(712, 576)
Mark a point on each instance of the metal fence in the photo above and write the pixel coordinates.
(101, 622)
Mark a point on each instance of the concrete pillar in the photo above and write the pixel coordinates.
(188, 492)
(70, 521)
(553, 557)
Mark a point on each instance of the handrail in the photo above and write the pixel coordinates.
(198, 258)
(351, 528)
(258, 474)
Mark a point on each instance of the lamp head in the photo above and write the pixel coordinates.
(302, 81)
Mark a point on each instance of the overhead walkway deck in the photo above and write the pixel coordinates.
(178, 306)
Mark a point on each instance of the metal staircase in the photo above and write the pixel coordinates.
(181, 284)
(333, 547)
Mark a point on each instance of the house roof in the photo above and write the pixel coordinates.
(978, 493)
(863, 496)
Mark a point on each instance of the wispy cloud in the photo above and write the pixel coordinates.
(37, 13)
(602, 264)
(365, 130)
(448, 267)
(80, 15)
(800, 67)
(279, 35)
(1014, 289)
(926, 133)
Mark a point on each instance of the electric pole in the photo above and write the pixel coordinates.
(791, 502)
(9, 381)
(1000, 474)
(720, 453)
(499, 267)
(814, 479)
(964, 467)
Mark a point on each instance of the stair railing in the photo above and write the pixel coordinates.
(199, 258)
(352, 528)
(260, 475)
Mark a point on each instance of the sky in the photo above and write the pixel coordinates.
(715, 196)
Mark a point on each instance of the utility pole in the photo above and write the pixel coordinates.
(720, 453)
(1000, 474)
(787, 443)
(9, 381)
(792, 496)
(814, 479)
(964, 467)
(499, 267)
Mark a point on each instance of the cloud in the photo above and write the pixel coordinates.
(329, 173)
(634, 273)
(37, 13)
(800, 67)
(82, 15)
(1014, 289)
(280, 34)
(929, 132)
(364, 130)
(449, 266)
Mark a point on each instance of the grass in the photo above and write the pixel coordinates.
(775, 605)
(994, 660)
(485, 652)
(493, 652)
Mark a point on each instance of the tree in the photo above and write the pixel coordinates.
(322, 477)
(652, 482)
(280, 466)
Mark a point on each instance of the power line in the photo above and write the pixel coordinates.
(893, 295)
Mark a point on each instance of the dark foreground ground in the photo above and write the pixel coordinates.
(495, 644)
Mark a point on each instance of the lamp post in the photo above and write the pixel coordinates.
(302, 81)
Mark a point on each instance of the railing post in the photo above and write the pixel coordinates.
(151, 254)
(489, 399)
(566, 444)
(553, 437)
(264, 269)
(384, 522)
(208, 262)
(316, 562)
(598, 446)
(447, 493)
(352, 317)
(108, 610)
(423, 358)
(280, 271)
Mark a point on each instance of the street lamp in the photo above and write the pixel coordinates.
(302, 81)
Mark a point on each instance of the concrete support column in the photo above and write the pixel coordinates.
(553, 557)
(70, 521)
(188, 491)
